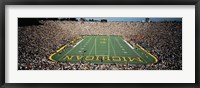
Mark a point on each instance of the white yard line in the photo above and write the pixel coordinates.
(108, 45)
(92, 48)
(118, 42)
(95, 48)
(113, 48)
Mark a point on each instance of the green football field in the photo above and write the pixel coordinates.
(103, 49)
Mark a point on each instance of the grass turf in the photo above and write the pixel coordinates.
(103, 49)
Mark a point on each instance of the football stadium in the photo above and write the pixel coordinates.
(99, 43)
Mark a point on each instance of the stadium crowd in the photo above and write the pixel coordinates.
(37, 42)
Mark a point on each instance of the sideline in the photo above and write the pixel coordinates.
(78, 43)
(156, 60)
(50, 57)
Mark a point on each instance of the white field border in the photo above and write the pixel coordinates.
(78, 43)
(128, 44)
